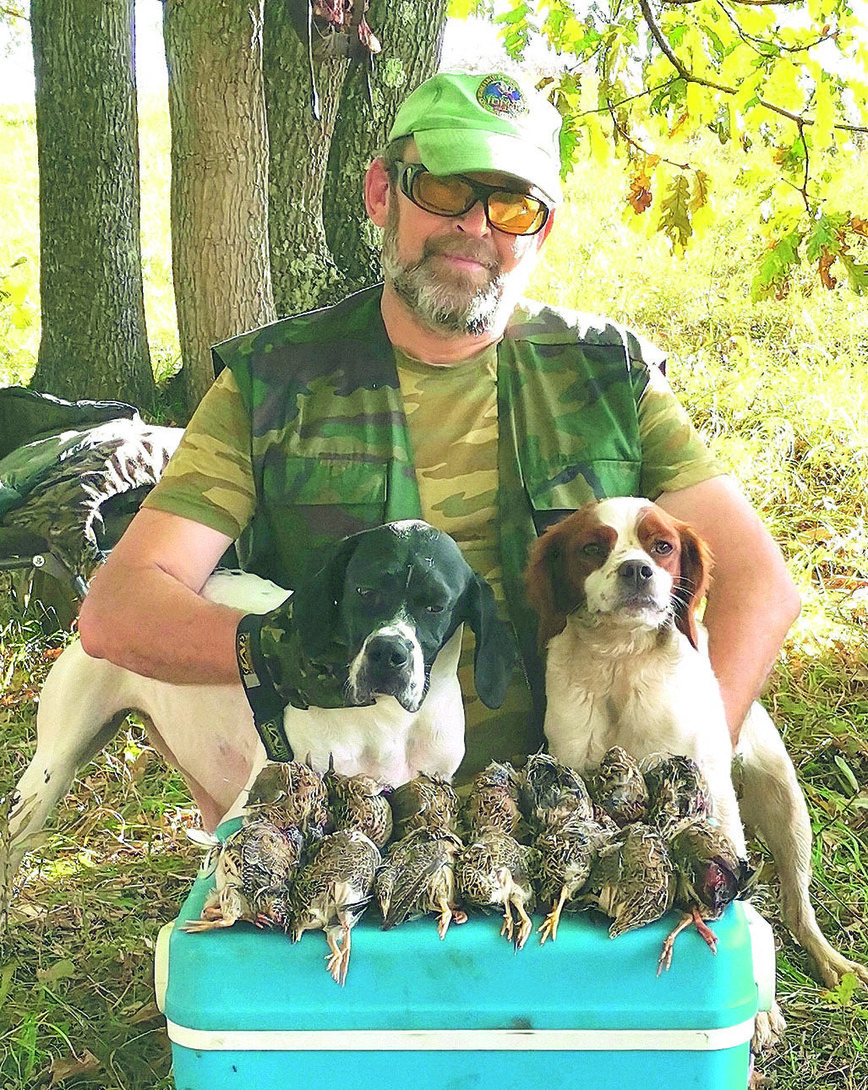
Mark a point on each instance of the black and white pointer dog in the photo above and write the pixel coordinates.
(396, 596)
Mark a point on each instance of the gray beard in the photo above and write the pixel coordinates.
(459, 307)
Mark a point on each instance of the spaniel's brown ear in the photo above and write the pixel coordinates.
(693, 580)
(544, 579)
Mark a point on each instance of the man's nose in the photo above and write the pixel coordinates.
(474, 221)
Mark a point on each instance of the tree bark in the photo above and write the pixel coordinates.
(411, 34)
(94, 343)
(303, 272)
(322, 243)
(219, 190)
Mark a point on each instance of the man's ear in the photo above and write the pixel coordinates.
(377, 192)
(544, 233)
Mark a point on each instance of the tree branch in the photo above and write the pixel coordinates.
(757, 44)
(744, 3)
(667, 50)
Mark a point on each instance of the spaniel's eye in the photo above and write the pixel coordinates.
(434, 608)
(593, 549)
(662, 548)
(365, 593)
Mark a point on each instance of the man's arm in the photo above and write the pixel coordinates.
(143, 610)
(752, 601)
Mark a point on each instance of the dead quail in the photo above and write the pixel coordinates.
(418, 876)
(553, 793)
(332, 891)
(632, 879)
(562, 864)
(360, 802)
(676, 789)
(708, 875)
(494, 871)
(427, 802)
(258, 861)
(493, 802)
(289, 793)
(619, 787)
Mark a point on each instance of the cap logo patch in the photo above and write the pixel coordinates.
(502, 96)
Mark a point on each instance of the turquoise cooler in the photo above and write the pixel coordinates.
(249, 1010)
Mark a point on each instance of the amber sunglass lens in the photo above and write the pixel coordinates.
(443, 196)
(515, 213)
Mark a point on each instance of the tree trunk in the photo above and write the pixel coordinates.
(411, 34)
(94, 342)
(219, 190)
(302, 270)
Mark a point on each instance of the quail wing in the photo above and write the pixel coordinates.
(494, 871)
(426, 802)
(332, 891)
(360, 802)
(417, 877)
(632, 879)
(258, 858)
(619, 787)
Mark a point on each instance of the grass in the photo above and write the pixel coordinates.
(781, 390)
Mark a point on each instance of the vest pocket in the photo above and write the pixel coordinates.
(573, 486)
(315, 502)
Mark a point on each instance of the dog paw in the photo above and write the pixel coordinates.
(831, 968)
(768, 1028)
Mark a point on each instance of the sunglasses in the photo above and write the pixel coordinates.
(455, 194)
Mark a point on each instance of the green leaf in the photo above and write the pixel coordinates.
(777, 264)
(847, 777)
(675, 213)
(856, 274)
(843, 994)
(825, 237)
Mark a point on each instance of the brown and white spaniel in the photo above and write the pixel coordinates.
(616, 585)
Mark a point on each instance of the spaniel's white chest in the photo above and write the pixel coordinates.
(649, 696)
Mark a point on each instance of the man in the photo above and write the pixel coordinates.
(438, 394)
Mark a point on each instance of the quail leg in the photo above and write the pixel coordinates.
(444, 918)
(508, 928)
(525, 927)
(338, 960)
(688, 918)
(549, 927)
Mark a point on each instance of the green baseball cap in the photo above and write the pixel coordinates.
(463, 123)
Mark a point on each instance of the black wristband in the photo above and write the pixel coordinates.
(265, 701)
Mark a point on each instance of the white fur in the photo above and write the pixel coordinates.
(207, 731)
(621, 676)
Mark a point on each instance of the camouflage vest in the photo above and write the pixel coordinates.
(331, 453)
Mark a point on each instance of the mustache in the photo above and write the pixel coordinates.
(472, 251)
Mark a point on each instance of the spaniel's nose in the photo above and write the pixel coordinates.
(635, 573)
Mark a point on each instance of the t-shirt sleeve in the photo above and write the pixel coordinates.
(674, 454)
(210, 477)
